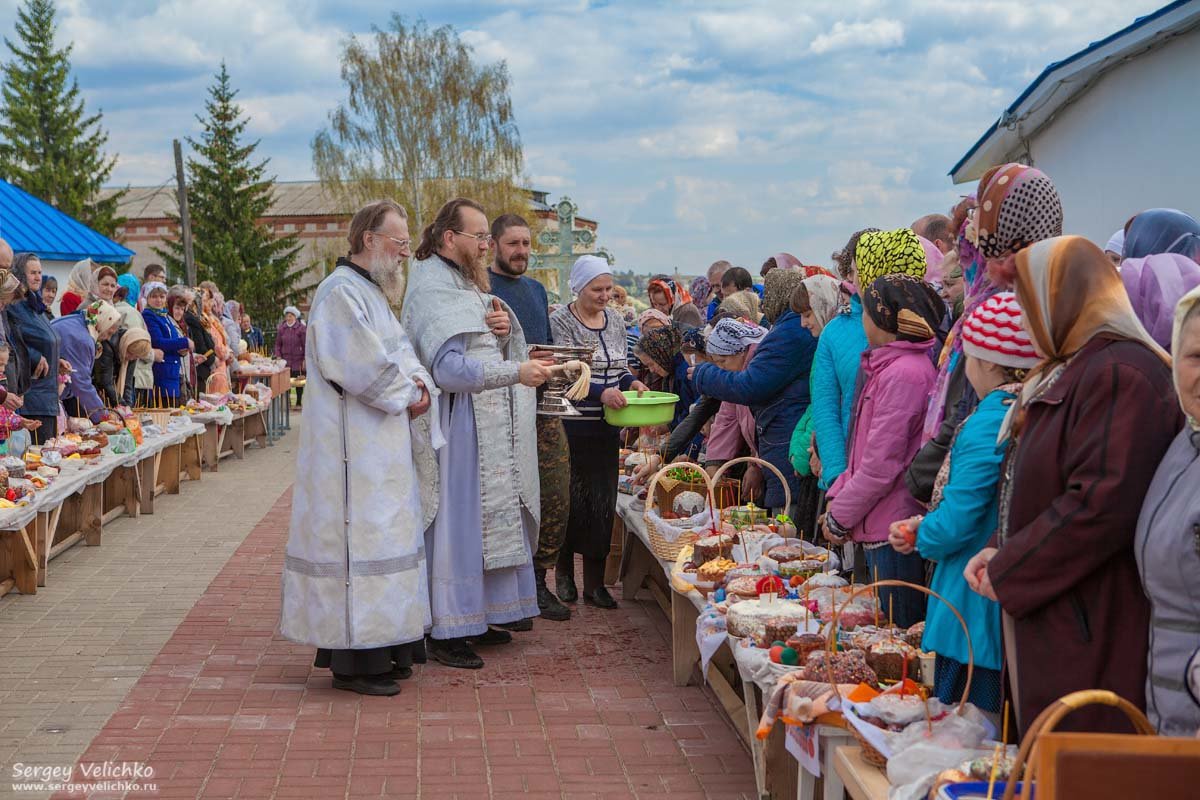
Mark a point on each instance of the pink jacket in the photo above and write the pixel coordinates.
(732, 433)
(888, 417)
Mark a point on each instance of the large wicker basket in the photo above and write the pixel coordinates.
(665, 544)
(870, 753)
(787, 490)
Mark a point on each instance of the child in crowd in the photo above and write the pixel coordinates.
(901, 315)
(964, 507)
(10, 420)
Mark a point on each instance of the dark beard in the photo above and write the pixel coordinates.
(505, 267)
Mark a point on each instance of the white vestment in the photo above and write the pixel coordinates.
(354, 575)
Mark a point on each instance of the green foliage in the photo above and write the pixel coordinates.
(49, 145)
(423, 124)
(227, 195)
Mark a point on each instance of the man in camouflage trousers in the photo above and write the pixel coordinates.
(511, 243)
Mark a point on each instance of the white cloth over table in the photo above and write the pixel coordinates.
(354, 573)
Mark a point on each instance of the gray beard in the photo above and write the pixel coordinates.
(389, 276)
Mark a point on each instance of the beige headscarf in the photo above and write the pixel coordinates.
(743, 304)
(824, 297)
(1186, 305)
(1070, 294)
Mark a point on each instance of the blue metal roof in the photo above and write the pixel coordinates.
(32, 226)
(1012, 109)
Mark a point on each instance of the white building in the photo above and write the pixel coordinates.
(1116, 125)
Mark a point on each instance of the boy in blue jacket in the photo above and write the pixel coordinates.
(964, 506)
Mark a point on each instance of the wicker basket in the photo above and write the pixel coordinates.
(870, 753)
(1027, 756)
(158, 416)
(663, 546)
(787, 490)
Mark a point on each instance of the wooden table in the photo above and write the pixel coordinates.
(220, 441)
(863, 781)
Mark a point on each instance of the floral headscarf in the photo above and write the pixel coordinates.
(1070, 294)
(675, 295)
(660, 345)
(653, 313)
(701, 289)
(1018, 205)
(824, 297)
(82, 280)
(882, 253)
(904, 305)
(1155, 284)
(777, 291)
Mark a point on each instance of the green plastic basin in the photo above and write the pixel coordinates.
(652, 408)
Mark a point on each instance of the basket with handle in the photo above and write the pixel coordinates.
(1027, 756)
(667, 540)
(870, 753)
(787, 490)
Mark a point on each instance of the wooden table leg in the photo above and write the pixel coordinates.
(685, 654)
(612, 567)
(22, 560)
(757, 750)
(831, 739)
(145, 469)
(236, 434)
(41, 544)
(93, 514)
(636, 564)
(192, 457)
(211, 446)
(169, 468)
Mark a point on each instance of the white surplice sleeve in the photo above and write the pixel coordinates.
(350, 353)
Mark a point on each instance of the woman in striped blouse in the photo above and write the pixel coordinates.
(594, 444)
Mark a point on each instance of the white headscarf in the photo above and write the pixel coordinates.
(586, 270)
(1116, 242)
(732, 336)
(824, 296)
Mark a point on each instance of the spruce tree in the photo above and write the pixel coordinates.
(49, 145)
(227, 196)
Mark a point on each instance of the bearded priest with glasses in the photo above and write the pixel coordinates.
(354, 576)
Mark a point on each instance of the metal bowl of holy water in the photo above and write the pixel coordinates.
(553, 401)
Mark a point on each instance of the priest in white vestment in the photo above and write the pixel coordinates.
(483, 510)
(354, 575)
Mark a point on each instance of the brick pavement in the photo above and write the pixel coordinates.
(73, 651)
(584, 709)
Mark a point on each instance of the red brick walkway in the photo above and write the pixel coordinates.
(584, 709)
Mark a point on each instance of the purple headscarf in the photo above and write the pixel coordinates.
(1155, 284)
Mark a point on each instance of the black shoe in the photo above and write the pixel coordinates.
(492, 636)
(520, 626)
(399, 674)
(454, 653)
(599, 598)
(550, 607)
(567, 592)
(379, 685)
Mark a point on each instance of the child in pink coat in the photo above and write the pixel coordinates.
(901, 315)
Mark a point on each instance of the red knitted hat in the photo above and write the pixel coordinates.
(993, 333)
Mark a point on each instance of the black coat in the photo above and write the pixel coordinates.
(16, 374)
(204, 344)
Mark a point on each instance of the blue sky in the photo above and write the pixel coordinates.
(691, 131)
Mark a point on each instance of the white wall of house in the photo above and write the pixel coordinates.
(1129, 143)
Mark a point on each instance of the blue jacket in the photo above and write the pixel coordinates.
(775, 387)
(959, 528)
(164, 336)
(41, 400)
(680, 385)
(834, 376)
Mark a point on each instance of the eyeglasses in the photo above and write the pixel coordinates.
(482, 238)
(403, 244)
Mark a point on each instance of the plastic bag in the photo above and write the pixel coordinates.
(122, 442)
(134, 426)
(18, 442)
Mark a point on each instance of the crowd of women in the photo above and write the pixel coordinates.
(118, 340)
(991, 408)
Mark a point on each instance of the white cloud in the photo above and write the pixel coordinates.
(871, 35)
